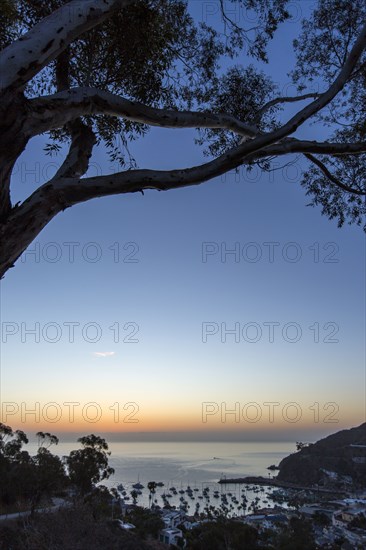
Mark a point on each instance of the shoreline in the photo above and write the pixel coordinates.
(260, 480)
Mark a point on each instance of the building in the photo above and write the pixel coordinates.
(171, 536)
(358, 451)
(345, 516)
(125, 526)
(172, 518)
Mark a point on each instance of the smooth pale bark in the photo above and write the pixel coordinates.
(50, 112)
(27, 220)
(20, 224)
(89, 101)
(13, 141)
(288, 99)
(26, 57)
(23, 59)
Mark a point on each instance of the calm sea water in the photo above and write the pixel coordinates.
(186, 462)
(180, 464)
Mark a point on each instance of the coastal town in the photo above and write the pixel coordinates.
(288, 510)
(182, 274)
(331, 502)
(331, 523)
(340, 521)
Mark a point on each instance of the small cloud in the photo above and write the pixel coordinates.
(103, 353)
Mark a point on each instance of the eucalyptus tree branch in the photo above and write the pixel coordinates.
(25, 57)
(53, 111)
(77, 160)
(286, 99)
(50, 112)
(292, 145)
(82, 136)
(326, 97)
(331, 177)
(24, 222)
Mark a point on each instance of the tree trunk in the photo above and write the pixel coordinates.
(21, 227)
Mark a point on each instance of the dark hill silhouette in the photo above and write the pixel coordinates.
(343, 453)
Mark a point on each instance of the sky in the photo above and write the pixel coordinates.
(226, 310)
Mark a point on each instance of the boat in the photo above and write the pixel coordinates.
(138, 485)
(120, 487)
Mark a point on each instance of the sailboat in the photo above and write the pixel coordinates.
(138, 485)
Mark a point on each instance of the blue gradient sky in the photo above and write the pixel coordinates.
(169, 292)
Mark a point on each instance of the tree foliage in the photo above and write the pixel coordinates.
(104, 72)
(221, 534)
(73, 527)
(89, 465)
(298, 535)
(29, 479)
(147, 522)
(322, 49)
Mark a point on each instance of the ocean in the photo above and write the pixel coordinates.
(194, 464)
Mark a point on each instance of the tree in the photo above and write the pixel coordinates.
(91, 71)
(49, 471)
(45, 440)
(152, 490)
(16, 467)
(89, 465)
(11, 442)
(48, 476)
(69, 527)
(134, 494)
(147, 522)
(320, 518)
(222, 534)
(300, 445)
(298, 535)
(26, 477)
(359, 521)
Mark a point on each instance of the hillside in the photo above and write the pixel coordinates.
(337, 453)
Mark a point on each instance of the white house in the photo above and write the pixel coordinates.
(171, 518)
(125, 526)
(171, 536)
